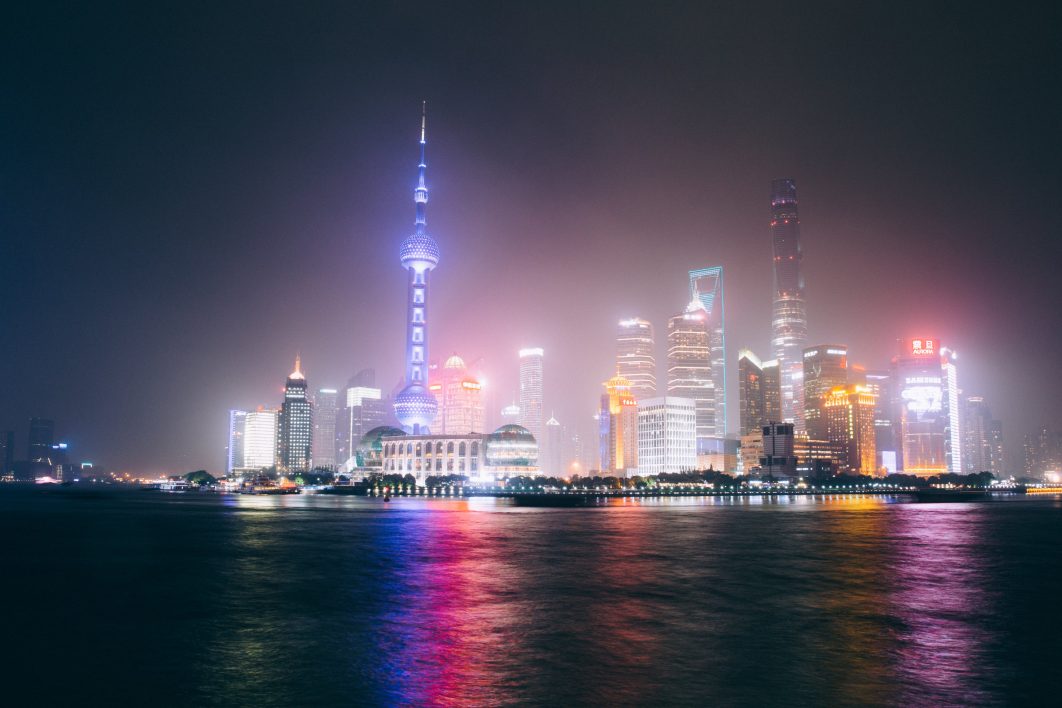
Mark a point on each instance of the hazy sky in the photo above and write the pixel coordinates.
(192, 195)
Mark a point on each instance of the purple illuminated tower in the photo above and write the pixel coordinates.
(415, 406)
(789, 324)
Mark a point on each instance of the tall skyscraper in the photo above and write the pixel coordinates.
(415, 406)
(295, 425)
(531, 403)
(825, 368)
(953, 412)
(706, 286)
(7, 452)
(880, 384)
(925, 392)
(41, 438)
(667, 435)
(750, 392)
(237, 430)
(977, 427)
(325, 403)
(689, 365)
(789, 319)
(634, 356)
(622, 426)
(849, 418)
(260, 439)
(460, 398)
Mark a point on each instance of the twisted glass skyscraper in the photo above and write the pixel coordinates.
(789, 322)
(415, 406)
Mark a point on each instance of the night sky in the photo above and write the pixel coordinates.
(192, 195)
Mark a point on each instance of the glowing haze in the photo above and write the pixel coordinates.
(193, 197)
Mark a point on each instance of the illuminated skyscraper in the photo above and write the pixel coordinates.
(706, 286)
(415, 406)
(295, 425)
(849, 418)
(880, 384)
(623, 426)
(324, 428)
(364, 409)
(825, 368)
(789, 319)
(750, 392)
(634, 356)
(531, 405)
(460, 399)
(925, 391)
(689, 365)
(260, 439)
(234, 451)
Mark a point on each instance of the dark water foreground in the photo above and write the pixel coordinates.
(146, 598)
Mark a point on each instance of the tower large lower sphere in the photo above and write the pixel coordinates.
(415, 406)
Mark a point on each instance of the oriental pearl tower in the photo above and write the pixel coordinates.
(415, 406)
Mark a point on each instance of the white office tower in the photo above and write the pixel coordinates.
(531, 391)
(635, 360)
(260, 439)
(237, 428)
(667, 435)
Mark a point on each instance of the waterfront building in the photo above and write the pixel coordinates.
(622, 427)
(325, 403)
(789, 319)
(234, 450)
(460, 397)
(7, 454)
(689, 364)
(779, 459)
(719, 454)
(825, 368)
(41, 439)
(849, 414)
(509, 451)
(750, 393)
(995, 436)
(706, 287)
(667, 435)
(415, 406)
(260, 439)
(295, 425)
(925, 390)
(635, 360)
(771, 386)
(531, 402)
(815, 458)
(751, 452)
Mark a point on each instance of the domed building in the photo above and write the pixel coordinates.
(369, 452)
(513, 450)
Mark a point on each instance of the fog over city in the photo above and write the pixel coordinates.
(189, 209)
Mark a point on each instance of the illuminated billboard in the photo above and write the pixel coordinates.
(922, 394)
(924, 347)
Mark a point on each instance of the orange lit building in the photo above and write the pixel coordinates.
(849, 414)
(460, 398)
(622, 426)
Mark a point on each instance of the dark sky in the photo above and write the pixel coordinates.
(191, 195)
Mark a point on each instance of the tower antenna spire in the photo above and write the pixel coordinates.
(420, 194)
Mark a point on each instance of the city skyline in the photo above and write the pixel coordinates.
(604, 229)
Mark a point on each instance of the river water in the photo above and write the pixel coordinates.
(146, 598)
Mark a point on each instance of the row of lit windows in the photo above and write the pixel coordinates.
(426, 466)
(418, 450)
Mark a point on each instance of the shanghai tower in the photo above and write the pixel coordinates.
(415, 406)
(789, 323)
